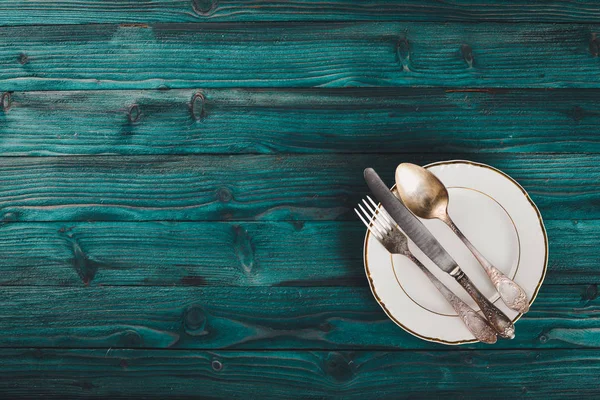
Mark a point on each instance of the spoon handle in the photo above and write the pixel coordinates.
(512, 294)
(497, 319)
(475, 323)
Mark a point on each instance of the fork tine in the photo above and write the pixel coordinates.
(373, 222)
(384, 224)
(387, 215)
(376, 222)
(376, 234)
(379, 224)
(383, 212)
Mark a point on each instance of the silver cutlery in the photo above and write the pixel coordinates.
(389, 235)
(427, 197)
(420, 235)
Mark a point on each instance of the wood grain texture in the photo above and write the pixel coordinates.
(196, 254)
(309, 254)
(562, 316)
(256, 187)
(181, 247)
(363, 120)
(155, 374)
(298, 55)
(21, 12)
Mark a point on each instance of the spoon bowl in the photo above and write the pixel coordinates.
(422, 192)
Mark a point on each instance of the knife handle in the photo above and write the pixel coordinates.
(475, 323)
(497, 318)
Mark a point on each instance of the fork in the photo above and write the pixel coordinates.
(381, 225)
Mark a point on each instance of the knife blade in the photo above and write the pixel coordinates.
(430, 246)
(410, 224)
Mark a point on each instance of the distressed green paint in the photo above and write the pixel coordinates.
(196, 254)
(229, 254)
(256, 187)
(358, 120)
(209, 317)
(407, 54)
(313, 374)
(223, 262)
(30, 12)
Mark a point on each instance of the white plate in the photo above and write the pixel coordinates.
(498, 216)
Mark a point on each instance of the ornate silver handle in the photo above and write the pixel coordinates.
(512, 294)
(496, 318)
(474, 322)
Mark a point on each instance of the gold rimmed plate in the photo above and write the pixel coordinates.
(501, 220)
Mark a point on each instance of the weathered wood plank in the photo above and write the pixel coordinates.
(256, 187)
(163, 254)
(258, 318)
(298, 55)
(230, 254)
(362, 120)
(156, 374)
(22, 12)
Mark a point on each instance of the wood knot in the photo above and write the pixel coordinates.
(339, 367)
(134, 113)
(594, 45)
(10, 217)
(244, 248)
(204, 7)
(194, 320)
(123, 363)
(325, 327)
(87, 385)
(403, 53)
(197, 106)
(577, 113)
(23, 59)
(590, 293)
(130, 338)
(298, 225)
(467, 53)
(224, 195)
(192, 280)
(66, 230)
(6, 100)
(85, 268)
(216, 365)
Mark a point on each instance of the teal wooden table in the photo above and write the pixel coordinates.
(177, 181)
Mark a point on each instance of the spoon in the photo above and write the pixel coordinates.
(427, 197)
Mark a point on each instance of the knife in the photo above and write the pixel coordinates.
(429, 245)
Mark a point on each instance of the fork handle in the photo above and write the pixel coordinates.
(474, 322)
(496, 318)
